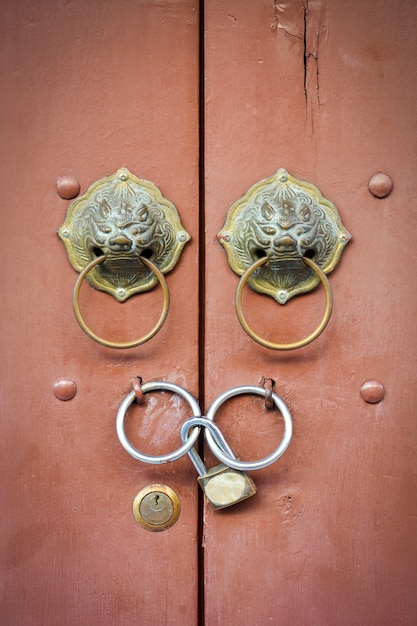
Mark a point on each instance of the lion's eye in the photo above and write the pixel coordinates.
(105, 210)
(143, 214)
(267, 211)
(305, 214)
(135, 231)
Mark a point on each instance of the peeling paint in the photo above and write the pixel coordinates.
(289, 16)
(290, 507)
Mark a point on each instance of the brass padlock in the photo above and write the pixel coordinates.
(222, 485)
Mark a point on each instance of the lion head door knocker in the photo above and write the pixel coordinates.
(282, 237)
(123, 236)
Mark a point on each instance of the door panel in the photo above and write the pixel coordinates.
(327, 90)
(88, 88)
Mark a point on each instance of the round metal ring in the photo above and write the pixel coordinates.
(250, 465)
(165, 458)
(295, 344)
(216, 433)
(115, 344)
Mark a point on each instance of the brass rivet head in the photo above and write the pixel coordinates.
(223, 237)
(183, 236)
(282, 296)
(282, 176)
(120, 293)
(156, 508)
(123, 174)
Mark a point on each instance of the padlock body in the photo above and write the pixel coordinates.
(225, 486)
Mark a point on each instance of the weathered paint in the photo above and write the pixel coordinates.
(88, 87)
(328, 91)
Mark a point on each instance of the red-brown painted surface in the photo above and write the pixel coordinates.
(325, 89)
(88, 87)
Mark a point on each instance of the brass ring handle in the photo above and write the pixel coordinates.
(295, 344)
(114, 344)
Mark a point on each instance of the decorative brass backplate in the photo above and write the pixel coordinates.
(123, 218)
(284, 219)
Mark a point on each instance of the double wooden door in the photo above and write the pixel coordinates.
(205, 99)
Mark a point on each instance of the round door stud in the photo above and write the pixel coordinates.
(64, 389)
(380, 185)
(372, 391)
(67, 187)
(156, 508)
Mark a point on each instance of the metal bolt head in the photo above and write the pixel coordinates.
(224, 237)
(282, 175)
(67, 187)
(372, 391)
(156, 508)
(64, 389)
(183, 236)
(123, 174)
(120, 293)
(380, 185)
(282, 296)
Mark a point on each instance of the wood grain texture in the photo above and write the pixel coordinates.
(327, 90)
(88, 87)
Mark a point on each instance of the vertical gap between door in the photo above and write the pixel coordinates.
(202, 290)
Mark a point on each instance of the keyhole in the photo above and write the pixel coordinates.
(156, 510)
(157, 503)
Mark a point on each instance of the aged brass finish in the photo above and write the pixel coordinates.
(107, 342)
(156, 507)
(224, 486)
(284, 219)
(124, 218)
(284, 346)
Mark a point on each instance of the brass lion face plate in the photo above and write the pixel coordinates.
(285, 219)
(123, 217)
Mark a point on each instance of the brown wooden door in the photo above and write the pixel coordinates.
(88, 87)
(325, 89)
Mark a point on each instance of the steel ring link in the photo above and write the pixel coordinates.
(128, 401)
(217, 434)
(249, 465)
(116, 344)
(284, 346)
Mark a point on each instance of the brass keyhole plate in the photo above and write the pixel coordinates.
(123, 218)
(156, 507)
(285, 219)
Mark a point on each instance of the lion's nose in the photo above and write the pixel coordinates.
(120, 242)
(285, 242)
